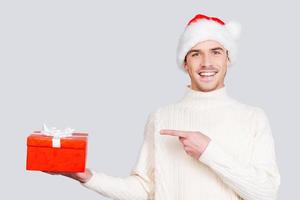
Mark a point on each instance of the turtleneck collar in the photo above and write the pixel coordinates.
(205, 99)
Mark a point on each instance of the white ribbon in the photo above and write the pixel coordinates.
(56, 134)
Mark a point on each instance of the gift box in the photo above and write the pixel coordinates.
(56, 154)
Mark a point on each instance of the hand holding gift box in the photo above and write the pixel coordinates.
(54, 150)
(78, 176)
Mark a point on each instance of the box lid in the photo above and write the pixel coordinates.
(78, 140)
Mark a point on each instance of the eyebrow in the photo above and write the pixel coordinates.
(193, 50)
(213, 49)
(217, 49)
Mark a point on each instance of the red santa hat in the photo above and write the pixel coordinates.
(201, 28)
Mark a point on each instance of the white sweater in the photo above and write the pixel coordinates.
(238, 163)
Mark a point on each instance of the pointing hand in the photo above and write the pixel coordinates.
(194, 142)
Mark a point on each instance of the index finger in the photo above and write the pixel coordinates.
(172, 132)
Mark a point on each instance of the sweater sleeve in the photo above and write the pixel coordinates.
(139, 184)
(257, 180)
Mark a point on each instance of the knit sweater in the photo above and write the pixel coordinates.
(238, 163)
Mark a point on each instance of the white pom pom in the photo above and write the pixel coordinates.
(234, 28)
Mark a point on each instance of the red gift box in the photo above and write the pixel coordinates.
(43, 153)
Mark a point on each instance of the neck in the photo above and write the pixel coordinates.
(205, 99)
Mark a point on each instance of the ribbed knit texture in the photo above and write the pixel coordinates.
(238, 163)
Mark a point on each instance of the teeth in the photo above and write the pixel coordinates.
(207, 73)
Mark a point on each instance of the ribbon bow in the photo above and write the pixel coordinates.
(56, 134)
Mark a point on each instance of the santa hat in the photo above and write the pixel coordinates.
(201, 28)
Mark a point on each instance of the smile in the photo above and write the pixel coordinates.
(207, 73)
(207, 76)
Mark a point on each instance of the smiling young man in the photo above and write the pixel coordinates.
(207, 64)
(207, 145)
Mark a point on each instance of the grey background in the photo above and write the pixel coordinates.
(103, 66)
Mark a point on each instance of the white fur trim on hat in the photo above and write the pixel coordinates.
(205, 29)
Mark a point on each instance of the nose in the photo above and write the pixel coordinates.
(206, 60)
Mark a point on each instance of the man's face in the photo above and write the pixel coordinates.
(207, 64)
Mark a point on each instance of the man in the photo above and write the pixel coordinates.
(207, 145)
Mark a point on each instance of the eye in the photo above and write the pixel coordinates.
(195, 54)
(216, 52)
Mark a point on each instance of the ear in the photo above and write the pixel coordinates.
(185, 66)
(228, 59)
